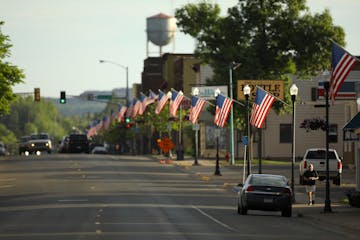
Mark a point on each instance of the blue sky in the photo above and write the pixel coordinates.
(59, 42)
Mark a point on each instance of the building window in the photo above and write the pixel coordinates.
(333, 135)
(285, 133)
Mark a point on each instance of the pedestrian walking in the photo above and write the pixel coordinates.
(310, 177)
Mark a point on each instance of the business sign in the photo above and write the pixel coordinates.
(208, 92)
(275, 87)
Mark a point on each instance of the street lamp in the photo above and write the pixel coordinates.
(293, 92)
(327, 208)
(127, 76)
(217, 135)
(196, 128)
(247, 90)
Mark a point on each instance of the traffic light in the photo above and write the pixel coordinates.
(62, 97)
(37, 94)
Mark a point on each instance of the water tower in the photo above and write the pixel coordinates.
(160, 30)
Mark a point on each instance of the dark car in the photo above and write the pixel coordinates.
(265, 192)
(78, 143)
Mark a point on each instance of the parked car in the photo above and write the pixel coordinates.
(317, 156)
(265, 192)
(99, 150)
(78, 143)
(3, 150)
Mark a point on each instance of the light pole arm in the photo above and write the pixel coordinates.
(126, 68)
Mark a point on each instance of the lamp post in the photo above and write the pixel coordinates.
(247, 90)
(293, 93)
(217, 135)
(327, 208)
(196, 128)
(127, 76)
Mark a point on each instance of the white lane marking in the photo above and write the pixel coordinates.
(73, 200)
(7, 179)
(214, 219)
(6, 186)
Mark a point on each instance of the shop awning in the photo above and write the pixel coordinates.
(350, 127)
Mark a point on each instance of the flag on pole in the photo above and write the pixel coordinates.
(341, 64)
(153, 96)
(223, 106)
(176, 98)
(106, 122)
(121, 113)
(145, 101)
(197, 105)
(261, 107)
(137, 105)
(161, 103)
(130, 109)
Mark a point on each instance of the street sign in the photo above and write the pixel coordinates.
(245, 140)
(275, 87)
(104, 97)
(196, 127)
(207, 92)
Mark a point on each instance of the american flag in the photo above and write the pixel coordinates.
(152, 95)
(145, 101)
(223, 106)
(130, 109)
(106, 122)
(161, 103)
(121, 113)
(137, 105)
(176, 98)
(261, 107)
(197, 105)
(341, 65)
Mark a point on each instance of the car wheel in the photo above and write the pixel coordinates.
(287, 212)
(241, 210)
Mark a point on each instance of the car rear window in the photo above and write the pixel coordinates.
(268, 181)
(320, 154)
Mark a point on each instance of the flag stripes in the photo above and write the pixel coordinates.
(261, 108)
(341, 65)
(197, 105)
(223, 106)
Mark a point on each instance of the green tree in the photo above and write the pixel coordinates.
(10, 75)
(270, 38)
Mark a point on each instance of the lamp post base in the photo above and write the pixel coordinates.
(327, 208)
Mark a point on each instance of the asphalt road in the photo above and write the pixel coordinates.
(129, 197)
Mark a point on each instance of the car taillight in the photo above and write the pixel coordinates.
(287, 191)
(305, 164)
(339, 166)
(250, 189)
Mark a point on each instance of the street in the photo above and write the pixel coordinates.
(130, 197)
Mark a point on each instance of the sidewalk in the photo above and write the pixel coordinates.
(342, 215)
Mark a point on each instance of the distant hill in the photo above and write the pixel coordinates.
(80, 105)
(76, 106)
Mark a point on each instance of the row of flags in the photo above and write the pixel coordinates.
(341, 65)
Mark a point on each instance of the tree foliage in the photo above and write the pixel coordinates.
(272, 39)
(10, 75)
(27, 117)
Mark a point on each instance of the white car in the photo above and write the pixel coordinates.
(317, 156)
(99, 150)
